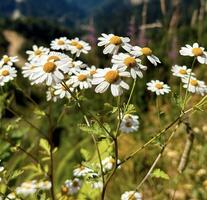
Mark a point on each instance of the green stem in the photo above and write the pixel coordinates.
(131, 93)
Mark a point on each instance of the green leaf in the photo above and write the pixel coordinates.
(131, 109)
(16, 173)
(158, 173)
(85, 154)
(45, 146)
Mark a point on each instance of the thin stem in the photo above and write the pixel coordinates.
(158, 111)
(131, 93)
(186, 92)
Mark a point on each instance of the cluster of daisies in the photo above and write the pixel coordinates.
(7, 71)
(29, 188)
(91, 176)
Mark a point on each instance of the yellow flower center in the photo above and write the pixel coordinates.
(182, 71)
(6, 59)
(5, 72)
(38, 52)
(116, 40)
(112, 160)
(146, 51)
(53, 58)
(112, 76)
(197, 51)
(159, 86)
(82, 77)
(60, 42)
(76, 44)
(194, 82)
(130, 62)
(49, 67)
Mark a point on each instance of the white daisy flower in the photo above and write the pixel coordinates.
(76, 66)
(12, 196)
(44, 185)
(92, 70)
(194, 85)
(61, 92)
(81, 79)
(129, 123)
(132, 63)
(28, 70)
(73, 186)
(82, 171)
(112, 43)
(195, 51)
(131, 195)
(27, 188)
(146, 51)
(60, 43)
(111, 77)
(6, 60)
(7, 73)
(181, 71)
(50, 96)
(108, 163)
(158, 87)
(37, 52)
(77, 47)
(1, 169)
(50, 69)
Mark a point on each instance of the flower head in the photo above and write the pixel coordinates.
(194, 85)
(108, 163)
(158, 87)
(27, 188)
(111, 77)
(60, 43)
(37, 52)
(129, 123)
(112, 43)
(145, 51)
(131, 63)
(61, 91)
(181, 71)
(195, 51)
(82, 171)
(7, 73)
(72, 186)
(7, 60)
(77, 47)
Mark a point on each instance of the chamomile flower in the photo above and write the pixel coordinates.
(194, 85)
(195, 51)
(111, 77)
(158, 87)
(28, 70)
(73, 186)
(181, 71)
(131, 195)
(7, 73)
(50, 94)
(77, 47)
(132, 63)
(60, 43)
(129, 123)
(82, 171)
(112, 43)
(92, 70)
(108, 163)
(37, 52)
(81, 79)
(6, 60)
(50, 69)
(61, 91)
(146, 51)
(1, 169)
(76, 66)
(27, 188)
